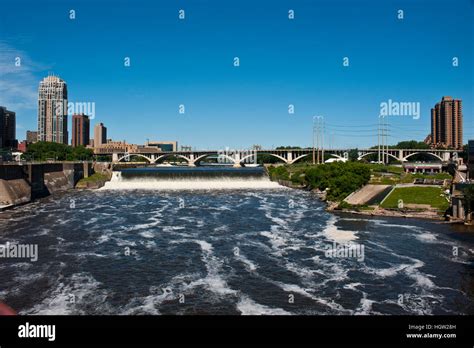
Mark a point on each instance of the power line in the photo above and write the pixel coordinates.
(350, 126)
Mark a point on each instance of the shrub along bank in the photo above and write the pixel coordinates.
(339, 179)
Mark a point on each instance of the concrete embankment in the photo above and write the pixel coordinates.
(367, 194)
(21, 183)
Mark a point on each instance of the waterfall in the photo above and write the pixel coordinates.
(190, 178)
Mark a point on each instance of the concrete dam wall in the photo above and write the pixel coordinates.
(25, 182)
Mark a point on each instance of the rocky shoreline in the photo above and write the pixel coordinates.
(429, 215)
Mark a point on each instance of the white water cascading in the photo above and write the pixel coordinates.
(148, 182)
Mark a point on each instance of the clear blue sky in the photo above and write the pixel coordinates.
(283, 62)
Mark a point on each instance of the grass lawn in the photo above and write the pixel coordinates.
(441, 176)
(417, 195)
(384, 180)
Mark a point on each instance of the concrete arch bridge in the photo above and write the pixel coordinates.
(287, 156)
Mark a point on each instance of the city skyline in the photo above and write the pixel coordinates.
(184, 62)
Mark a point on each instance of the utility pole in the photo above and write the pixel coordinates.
(386, 140)
(322, 141)
(382, 137)
(317, 127)
(378, 140)
(317, 140)
(314, 155)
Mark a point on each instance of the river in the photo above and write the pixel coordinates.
(164, 241)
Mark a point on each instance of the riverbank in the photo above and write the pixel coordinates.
(378, 211)
(402, 200)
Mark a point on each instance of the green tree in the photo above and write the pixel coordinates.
(468, 198)
(353, 154)
(411, 144)
(42, 151)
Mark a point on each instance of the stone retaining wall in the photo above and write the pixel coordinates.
(20, 183)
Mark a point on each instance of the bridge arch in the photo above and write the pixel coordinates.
(135, 154)
(298, 158)
(171, 155)
(423, 153)
(381, 152)
(337, 156)
(264, 153)
(199, 158)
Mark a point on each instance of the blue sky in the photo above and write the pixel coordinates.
(282, 62)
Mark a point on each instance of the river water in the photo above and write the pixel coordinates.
(226, 244)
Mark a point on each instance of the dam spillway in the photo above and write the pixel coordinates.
(190, 178)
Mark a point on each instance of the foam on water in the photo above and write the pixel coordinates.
(213, 279)
(247, 306)
(81, 287)
(426, 237)
(333, 233)
(365, 306)
(147, 234)
(275, 240)
(249, 265)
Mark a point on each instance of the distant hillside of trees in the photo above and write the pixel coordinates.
(407, 144)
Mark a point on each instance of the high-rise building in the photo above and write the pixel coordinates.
(80, 130)
(7, 128)
(31, 137)
(100, 135)
(446, 123)
(52, 110)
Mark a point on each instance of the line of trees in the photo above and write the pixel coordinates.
(43, 151)
(339, 178)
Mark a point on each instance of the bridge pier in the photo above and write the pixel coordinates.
(400, 155)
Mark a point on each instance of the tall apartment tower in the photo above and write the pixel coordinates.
(100, 135)
(7, 128)
(446, 123)
(52, 110)
(80, 130)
